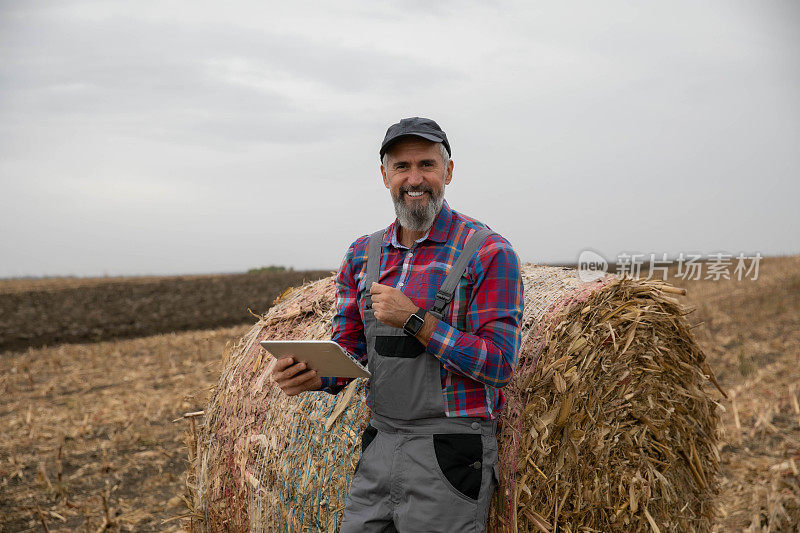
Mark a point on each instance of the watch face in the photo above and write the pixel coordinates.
(413, 324)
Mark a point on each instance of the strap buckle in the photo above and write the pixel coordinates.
(442, 299)
(444, 296)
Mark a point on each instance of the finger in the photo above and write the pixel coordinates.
(376, 288)
(312, 384)
(282, 363)
(289, 372)
(298, 380)
(383, 296)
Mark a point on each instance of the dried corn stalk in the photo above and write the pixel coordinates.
(609, 425)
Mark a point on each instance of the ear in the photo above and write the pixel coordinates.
(448, 177)
(385, 179)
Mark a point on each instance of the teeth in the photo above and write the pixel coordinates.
(410, 193)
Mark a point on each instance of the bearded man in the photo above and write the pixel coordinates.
(433, 305)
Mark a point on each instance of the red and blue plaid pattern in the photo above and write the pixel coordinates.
(479, 337)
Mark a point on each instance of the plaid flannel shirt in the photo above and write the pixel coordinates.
(479, 337)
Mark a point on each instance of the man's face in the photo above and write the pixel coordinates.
(416, 176)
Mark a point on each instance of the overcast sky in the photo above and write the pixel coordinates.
(187, 137)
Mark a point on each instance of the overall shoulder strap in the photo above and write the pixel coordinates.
(373, 262)
(448, 288)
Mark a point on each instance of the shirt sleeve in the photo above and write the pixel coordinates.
(488, 351)
(347, 327)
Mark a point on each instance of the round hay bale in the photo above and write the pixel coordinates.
(610, 424)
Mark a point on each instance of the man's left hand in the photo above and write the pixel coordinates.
(391, 306)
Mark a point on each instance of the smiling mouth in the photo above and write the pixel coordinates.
(415, 194)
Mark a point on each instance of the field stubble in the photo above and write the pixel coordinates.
(90, 442)
(750, 331)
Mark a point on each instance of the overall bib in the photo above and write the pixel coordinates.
(419, 470)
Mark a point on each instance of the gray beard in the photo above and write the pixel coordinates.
(419, 219)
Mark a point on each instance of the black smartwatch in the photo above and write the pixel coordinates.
(414, 322)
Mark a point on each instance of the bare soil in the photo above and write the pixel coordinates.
(52, 311)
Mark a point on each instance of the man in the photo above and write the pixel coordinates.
(433, 305)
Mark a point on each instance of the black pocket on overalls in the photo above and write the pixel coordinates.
(459, 457)
(400, 346)
(369, 434)
(366, 438)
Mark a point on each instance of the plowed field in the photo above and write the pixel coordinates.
(51, 311)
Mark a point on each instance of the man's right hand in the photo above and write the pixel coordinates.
(293, 378)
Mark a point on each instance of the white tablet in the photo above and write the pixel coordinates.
(326, 357)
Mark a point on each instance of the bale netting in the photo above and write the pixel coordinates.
(610, 422)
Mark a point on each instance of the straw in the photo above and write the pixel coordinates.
(610, 423)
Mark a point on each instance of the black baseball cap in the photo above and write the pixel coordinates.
(417, 126)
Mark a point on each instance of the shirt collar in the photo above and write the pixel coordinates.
(438, 232)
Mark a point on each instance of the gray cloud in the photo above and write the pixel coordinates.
(182, 137)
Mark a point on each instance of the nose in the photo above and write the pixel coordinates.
(415, 177)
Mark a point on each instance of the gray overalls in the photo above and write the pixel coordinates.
(419, 470)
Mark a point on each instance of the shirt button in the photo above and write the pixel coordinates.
(475, 425)
(476, 465)
(400, 284)
(408, 254)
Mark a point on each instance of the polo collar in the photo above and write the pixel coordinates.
(438, 232)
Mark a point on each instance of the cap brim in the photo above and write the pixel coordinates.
(391, 141)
